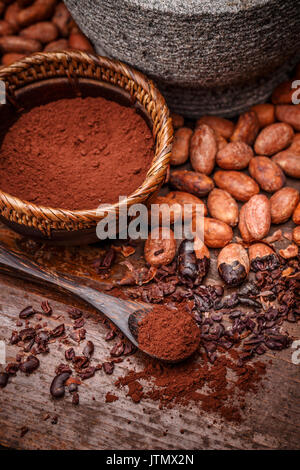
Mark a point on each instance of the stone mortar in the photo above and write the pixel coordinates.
(207, 56)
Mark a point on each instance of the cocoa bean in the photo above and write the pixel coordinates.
(11, 15)
(234, 156)
(295, 145)
(182, 198)
(245, 234)
(274, 138)
(258, 216)
(217, 234)
(2, 8)
(19, 45)
(290, 114)
(203, 149)
(166, 211)
(6, 29)
(79, 42)
(24, 3)
(221, 141)
(283, 203)
(201, 250)
(283, 93)
(10, 58)
(239, 185)
(191, 182)
(192, 268)
(181, 146)
(222, 206)
(41, 10)
(61, 19)
(267, 173)
(289, 162)
(233, 264)
(59, 45)
(160, 247)
(43, 32)
(296, 215)
(221, 126)
(246, 128)
(265, 113)
(177, 120)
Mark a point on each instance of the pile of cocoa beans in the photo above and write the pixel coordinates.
(239, 168)
(28, 26)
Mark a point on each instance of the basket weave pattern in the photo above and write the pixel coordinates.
(74, 66)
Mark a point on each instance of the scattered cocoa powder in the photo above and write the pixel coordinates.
(76, 153)
(198, 381)
(170, 334)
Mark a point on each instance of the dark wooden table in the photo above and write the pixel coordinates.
(272, 419)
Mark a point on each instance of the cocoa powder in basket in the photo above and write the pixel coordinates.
(76, 153)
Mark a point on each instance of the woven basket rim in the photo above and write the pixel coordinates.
(116, 66)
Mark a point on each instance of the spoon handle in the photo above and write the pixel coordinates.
(115, 309)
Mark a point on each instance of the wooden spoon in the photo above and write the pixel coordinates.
(125, 314)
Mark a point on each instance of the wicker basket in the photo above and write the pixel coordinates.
(43, 77)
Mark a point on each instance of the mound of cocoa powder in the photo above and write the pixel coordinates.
(170, 334)
(76, 153)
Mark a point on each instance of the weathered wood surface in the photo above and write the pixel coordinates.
(271, 422)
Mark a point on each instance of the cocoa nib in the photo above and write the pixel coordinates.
(72, 388)
(75, 399)
(30, 365)
(24, 430)
(266, 263)
(57, 388)
(87, 373)
(27, 312)
(58, 331)
(75, 313)
(62, 368)
(88, 349)
(69, 354)
(104, 263)
(110, 335)
(12, 368)
(4, 376)
(15, 338)
(79, 323)
(47, 309)
(118, 349)
(108, 367)
(80, 362)
(27, 334)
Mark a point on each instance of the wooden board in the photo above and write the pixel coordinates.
(272, 420)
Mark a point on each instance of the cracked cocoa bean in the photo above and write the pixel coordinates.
(233, 264)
